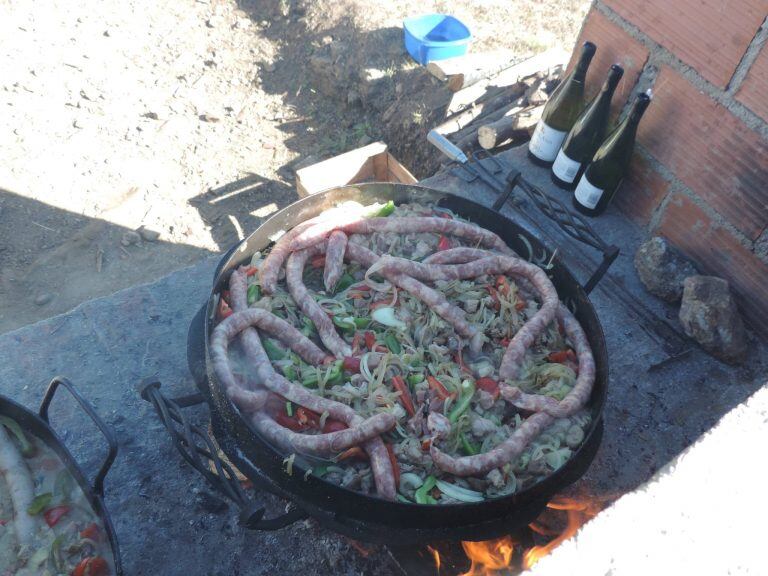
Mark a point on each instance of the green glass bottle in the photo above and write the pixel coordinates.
(586, 135)
(603, 176)
(560, 111)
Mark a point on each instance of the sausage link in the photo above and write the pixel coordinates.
(506, 452)
(582, 388)
(405, 225)
(322, 444)
(334, 259)
(294, 271)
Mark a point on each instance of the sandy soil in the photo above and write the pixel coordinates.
(187, 117)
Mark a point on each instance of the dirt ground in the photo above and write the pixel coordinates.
(188, 118)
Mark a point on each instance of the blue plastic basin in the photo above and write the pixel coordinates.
(435, 37)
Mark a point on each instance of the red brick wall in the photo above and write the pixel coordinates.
(700, 173)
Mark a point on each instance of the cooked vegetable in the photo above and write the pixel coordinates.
(254, 293)
(40, 503)
(53, 515)
(27, 449)
(386, 210)
(467, 392)
(390, 341)
(386, 315)
(422, 495)
(459, 493)
(405, 394)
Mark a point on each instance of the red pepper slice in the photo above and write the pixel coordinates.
(317, 262)
(356, 342)
(405, 394)
(503, 285)
(354, 453)
(289, 422)
(495, 296)
(332, 425)
(91, 532)
(559, 357)
(53, 515)
(224, 310)
(360, 287)
(250, 271)
(370, 340)
(489, 385)
(443, 244)
(439, 388)
(92, 566)
(504, 342)
(395, 464)
(520, 304)
(351, 363)
(426, 444)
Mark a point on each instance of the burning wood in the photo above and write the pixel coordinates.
(506, 555)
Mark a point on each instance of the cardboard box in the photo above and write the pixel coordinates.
(372, 163)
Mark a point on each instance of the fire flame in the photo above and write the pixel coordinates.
(436, 556)
(491, 557)
(579, 512)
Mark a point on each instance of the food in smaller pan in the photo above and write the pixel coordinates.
(405, 352)
(47, 525)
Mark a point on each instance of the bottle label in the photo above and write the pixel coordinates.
(587, 194)
(546, 142)
(565, 168)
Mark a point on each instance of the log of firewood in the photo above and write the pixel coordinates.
(466, 138)
(490, 87)
(464, 71)
(491, 135)
(482, 108)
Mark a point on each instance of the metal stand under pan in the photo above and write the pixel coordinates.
(219, 459)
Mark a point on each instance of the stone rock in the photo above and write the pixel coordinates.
(662, 269)
(43, 299)
(709, 316)
(130, 238)
(148, 234)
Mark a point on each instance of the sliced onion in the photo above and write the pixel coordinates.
(459, 493)
(386, 315)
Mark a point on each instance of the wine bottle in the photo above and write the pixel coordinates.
(586, 135)
(604, 173)
(560, 111)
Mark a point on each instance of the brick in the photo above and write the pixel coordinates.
(709, 35)
(614, 46)
(642, 191)
(710, 150)
(753, 92)
(719, 252)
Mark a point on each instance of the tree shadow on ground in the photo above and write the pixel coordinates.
(348, 86)
(89, 255)
(254, 198)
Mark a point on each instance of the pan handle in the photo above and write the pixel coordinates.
(98, 482)
(197, 448)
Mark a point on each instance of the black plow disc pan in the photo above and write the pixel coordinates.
(39, 426)
(352, 513)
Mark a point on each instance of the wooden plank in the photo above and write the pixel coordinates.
(398, 172)
(542, 62)
(464, 71)
(367, 164)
